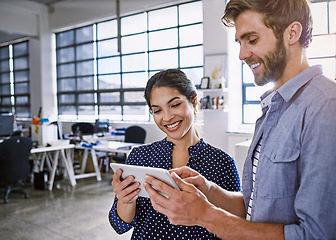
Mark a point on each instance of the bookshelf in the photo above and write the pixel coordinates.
(214, 112)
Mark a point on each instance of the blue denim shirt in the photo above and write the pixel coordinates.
(296, 180)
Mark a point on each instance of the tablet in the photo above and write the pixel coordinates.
(139, 172)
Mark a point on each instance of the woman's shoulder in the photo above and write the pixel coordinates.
(150, 146)
(149, 154)
(208, 148)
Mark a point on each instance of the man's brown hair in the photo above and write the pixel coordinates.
(277, 15)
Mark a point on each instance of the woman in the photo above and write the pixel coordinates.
(172, 100)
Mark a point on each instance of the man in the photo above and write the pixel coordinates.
(289, 184)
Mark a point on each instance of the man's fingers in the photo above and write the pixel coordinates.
(158, 185)
(187, 187)
(184, 172)
(158, 200)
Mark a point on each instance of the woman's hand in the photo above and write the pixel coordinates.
(125, 190)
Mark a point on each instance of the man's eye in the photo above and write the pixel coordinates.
(252, 41)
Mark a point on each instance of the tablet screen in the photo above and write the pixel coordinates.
(139, 172)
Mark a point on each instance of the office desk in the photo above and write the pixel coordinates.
(43, 155)
(104, 146)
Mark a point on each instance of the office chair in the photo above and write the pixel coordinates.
(83, 127)
(14, 164)
(134, 134)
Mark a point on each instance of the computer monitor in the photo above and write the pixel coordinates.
(101, 126)
(6, 124)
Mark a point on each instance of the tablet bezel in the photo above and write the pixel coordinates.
(139, 172)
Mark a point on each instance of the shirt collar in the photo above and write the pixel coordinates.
(288, 90)
(193, 150)
(266, 98)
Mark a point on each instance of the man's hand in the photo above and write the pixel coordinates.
(193, 177)
(181, 207)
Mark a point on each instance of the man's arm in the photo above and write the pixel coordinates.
(232, 202)
(191, 207)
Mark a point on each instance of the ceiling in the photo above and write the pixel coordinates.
(9, 36)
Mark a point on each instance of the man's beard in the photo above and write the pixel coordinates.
(274, 64)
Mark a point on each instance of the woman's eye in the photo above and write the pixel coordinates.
(156, 111)
(176, 105)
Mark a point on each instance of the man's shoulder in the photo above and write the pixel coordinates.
(323, 87)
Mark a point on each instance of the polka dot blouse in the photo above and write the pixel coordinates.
(211, 162)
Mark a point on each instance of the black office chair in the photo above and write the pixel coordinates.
(83, 127)
(134, 134)
(14, 164)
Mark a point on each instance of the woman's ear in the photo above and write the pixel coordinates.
(293, 32)
(194, 101)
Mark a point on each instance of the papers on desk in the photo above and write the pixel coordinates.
(120, 145)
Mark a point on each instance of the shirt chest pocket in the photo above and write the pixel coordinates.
(278, 170)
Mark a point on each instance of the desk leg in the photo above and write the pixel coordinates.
(86, 152)
(49, 160)
(69, 168)
(95, 164)
(52, 175)
(43, 158)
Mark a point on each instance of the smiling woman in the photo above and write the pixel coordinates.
(172, 99)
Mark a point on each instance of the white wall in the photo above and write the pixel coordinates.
(214, 34)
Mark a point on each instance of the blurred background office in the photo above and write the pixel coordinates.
(81, 60)
(67, 62)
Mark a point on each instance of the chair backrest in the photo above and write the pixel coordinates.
(85, 128)
(135, 134)
(14, 159)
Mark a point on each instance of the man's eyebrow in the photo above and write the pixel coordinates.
(245, 35)
(168, 101)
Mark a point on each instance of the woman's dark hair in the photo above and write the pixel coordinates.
(278, 15)
(172, 78)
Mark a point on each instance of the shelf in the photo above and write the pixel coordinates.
(214, 110)
(213, 90)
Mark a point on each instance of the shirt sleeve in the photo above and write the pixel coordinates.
(119, 225)
(116, 222)
(315, 200)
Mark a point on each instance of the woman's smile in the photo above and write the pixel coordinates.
(174, 126)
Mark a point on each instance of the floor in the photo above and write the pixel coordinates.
(65, 213)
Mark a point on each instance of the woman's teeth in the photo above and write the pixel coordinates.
(173, 125)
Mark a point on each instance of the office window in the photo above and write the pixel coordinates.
(321, 51)
(14, 79)
(94, 79)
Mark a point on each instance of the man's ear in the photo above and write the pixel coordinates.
(293, 33)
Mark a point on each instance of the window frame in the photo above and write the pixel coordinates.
(15, 105)
(98, 91)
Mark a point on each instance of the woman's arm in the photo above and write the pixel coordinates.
(127, 195)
